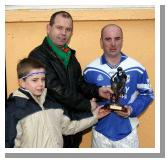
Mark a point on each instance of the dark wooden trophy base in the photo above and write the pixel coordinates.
(115, 107)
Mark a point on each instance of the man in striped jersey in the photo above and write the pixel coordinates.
(118, 129)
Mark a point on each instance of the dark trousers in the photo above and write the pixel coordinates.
(72, 141)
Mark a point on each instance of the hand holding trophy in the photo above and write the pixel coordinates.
(118, 81)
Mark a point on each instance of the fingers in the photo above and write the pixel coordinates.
(120, 113)
(93, 100)
(103, 112)
(105, 92)
(123, 113)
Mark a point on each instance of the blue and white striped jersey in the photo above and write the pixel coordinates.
(138, 94)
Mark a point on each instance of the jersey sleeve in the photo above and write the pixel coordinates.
(144, 97)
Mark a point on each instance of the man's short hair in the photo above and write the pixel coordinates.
(25, 66)
(110, 25)
(62, 13)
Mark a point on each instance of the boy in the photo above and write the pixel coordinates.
(33, 118)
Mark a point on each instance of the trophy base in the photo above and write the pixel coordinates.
(116, 107)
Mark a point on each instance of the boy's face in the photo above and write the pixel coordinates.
(35, 83)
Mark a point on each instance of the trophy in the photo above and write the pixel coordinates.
(118, 81)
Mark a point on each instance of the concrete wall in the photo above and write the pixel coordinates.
(25, 29)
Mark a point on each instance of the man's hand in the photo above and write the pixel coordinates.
(105, 92)
(93, 104)
(126, 113)
(98, 110)
(102, 112)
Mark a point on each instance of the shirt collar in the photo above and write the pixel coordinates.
(104, 61)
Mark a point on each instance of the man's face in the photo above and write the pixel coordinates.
(61, 31)
(111, 41)
(34, 83)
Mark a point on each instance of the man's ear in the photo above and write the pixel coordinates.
(48, 28)
(101, 43)
(22, 83)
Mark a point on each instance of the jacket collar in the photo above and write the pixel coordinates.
(28, 95)
(45, 43)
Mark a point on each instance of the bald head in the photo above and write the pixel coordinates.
(111, 26)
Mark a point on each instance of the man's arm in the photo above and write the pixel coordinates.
(145, 95)
(92, 91)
